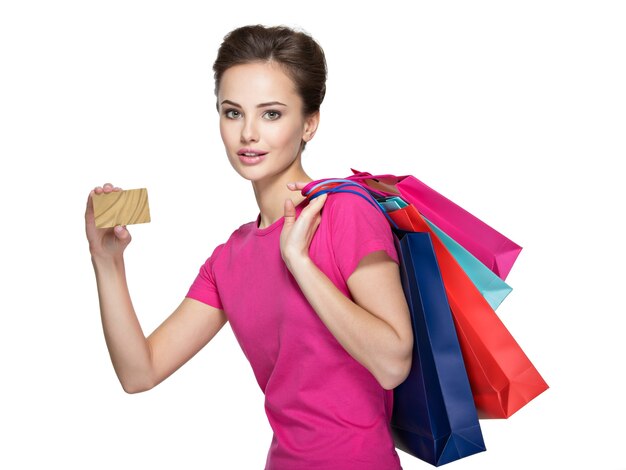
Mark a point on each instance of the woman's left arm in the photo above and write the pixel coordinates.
(375, 329)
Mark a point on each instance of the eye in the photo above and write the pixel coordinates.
(232, 113)
(271, 115)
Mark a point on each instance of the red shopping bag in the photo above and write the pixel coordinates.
(502, 377)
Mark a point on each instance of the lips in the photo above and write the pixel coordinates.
(251, 156)
(248, 152)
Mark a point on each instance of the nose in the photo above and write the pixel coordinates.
(249, 131)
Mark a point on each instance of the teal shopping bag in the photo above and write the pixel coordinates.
(493, 289)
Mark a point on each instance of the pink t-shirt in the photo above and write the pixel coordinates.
(327, 411)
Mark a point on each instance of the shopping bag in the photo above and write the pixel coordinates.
(502, 377)
(492, 288)
(488, 283)
(434, 415)
(492, 248)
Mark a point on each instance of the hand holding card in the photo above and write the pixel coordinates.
(121, 208)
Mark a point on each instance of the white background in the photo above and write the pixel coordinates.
(515, 110)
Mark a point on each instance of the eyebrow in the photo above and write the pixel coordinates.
(260, 105)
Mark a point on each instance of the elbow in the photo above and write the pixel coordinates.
(136, 386)
(393, 379)
(132, 389)
(398, 372)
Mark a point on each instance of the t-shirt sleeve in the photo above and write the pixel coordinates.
(357, 229)
(204, 288)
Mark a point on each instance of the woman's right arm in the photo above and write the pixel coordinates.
(139, 362)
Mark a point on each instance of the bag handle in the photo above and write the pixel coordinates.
(314, 185)
(339, 188)
(382, 184)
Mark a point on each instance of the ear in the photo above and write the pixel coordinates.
(310, 126)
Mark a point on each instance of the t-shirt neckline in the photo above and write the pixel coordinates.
(277, 223)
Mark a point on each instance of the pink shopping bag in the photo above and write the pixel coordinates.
(492, 248)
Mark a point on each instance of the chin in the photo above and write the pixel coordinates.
(251, 173)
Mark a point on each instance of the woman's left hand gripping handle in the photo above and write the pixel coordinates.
(296, 235)
(104, 242)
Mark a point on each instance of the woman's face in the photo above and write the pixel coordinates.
(261, 120)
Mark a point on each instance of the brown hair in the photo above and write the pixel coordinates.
(300, 56)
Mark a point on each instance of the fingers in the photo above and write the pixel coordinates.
(297, 186)
(313, 209)
(290, 212)
(317, 203)
(107, 188)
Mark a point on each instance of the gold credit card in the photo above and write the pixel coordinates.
(121, 208)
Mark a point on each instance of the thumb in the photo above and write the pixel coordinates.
(122, 233)
(290, 212)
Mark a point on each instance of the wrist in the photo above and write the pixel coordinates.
(297, 263)
(102, 262)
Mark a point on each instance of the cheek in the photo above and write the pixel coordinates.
(227, 132)
(287, 135)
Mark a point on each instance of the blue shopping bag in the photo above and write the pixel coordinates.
(434, 416)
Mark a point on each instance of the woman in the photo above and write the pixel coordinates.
(312, 291)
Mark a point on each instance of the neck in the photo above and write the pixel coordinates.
(271, 193)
